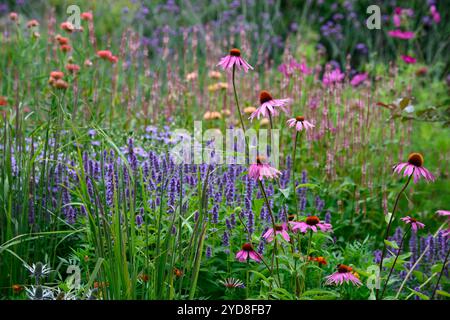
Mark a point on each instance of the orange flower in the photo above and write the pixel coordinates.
(101, 284)
(17, 288)
(87, 16)
(3, 101)
(32, 23)
(144, 277)
(113, 59)
(177, 272)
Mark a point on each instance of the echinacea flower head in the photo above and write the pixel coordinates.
(300, 123)
(234, 59)
(65, 48)
(231, 283)
(261, 170)
(414, 167)
(246, 253)
(344, 274)
(13, 16)
(32, 23)
(279, 229)
(269, 105)
(62, 40)
(73, 68)
(67, 26)
(57, 75)
(415, 225)
(104, 54)
(311, 223)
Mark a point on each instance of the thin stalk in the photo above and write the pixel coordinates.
(275, 242)
(395, 261)
(440, 274)
(237, 101)
(389, 226)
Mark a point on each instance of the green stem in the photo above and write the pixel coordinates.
(237, 101)
(395, 261)
(389, 226)
(440, 275)
(293, 173)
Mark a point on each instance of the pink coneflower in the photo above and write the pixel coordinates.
(268, 105)
(333, 77)
(300, 123)
(358, 79)
(65, 48)
(399, 34)
(32, 23)
(414, 166)
(311, 223)
(87, 16)
(57, 75)
(104, 54)
(73, 68)
(443, 213)
(408, 59)
(13, 16)
(67, 26)
(344, 274)
(234, 59)
(62, 40)
(261, 170)
(415, 225)
(247, 252)
(279, 229)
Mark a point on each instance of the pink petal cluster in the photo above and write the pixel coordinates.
(415, 225)
(435, 14)
(333, 77)
(358, 79)
(399, 34)
(234, 59)
(418, 172)
(260, 170)
(409, 59)
(282, 230)
(246, 253)
(269, 105)
(300, 124)
(311, 223)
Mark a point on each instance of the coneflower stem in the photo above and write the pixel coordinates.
(440, 275)
(395, 261)
(389, 227)
(293, 173)
(275, 244)
(237, 101)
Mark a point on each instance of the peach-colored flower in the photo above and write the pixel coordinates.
(67, 26)
(32, 23)
(87, 16)
(13, 16)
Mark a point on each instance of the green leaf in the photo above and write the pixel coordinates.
(419, 275)
(286, 192)
(443, 293)
(437, 267)
(387, 217)
(419, 294)
(391, 244)
(307, 185)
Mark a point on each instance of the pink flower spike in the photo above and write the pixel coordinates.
(279, 229)
(358, 79)
(409, 59)
(261, 170)
(268, 105)
(415, 225)
(300, 123)
(234, 59)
